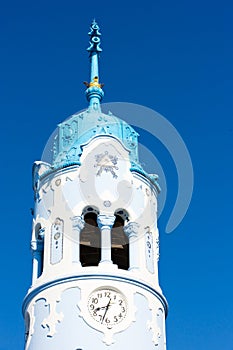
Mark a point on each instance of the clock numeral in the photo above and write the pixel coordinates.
(92, 307)
(107, 320)
(115, 319)
(99, 295)
(94, 313)
(107, 294)
(120, 302)
(120, 316)
(94, 300)
(122, 309)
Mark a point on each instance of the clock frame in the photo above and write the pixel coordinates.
(107, 306)
(119, 299)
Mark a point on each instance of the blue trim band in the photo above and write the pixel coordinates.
(39, 289)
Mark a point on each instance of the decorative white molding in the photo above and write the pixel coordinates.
(52, 296)
(77, 223)
(54, 317)
(153, 324)
(149, 251)
(56, 241)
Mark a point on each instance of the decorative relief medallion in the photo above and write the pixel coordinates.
(68, 135)
(106, 162)
(56, 251)
(107, 204)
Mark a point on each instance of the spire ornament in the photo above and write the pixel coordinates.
(94, 38)
(94, 92)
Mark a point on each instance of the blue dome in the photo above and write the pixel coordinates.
(80, 128)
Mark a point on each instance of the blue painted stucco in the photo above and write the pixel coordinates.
(80, 128)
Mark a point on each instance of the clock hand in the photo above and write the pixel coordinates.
(107, 307)
(100, 308)
(103, 307)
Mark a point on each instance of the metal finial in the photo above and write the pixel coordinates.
(94, 90)
(94, 38)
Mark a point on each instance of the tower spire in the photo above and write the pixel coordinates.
(94, 92)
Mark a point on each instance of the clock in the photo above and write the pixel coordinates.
(107, 307)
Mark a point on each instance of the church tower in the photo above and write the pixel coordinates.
(95, 241)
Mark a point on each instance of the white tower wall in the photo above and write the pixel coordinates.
(60, 294)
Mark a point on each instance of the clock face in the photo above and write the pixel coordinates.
(107, 306)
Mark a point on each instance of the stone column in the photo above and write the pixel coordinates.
(131, 230)
(105, 223)
(77, 225)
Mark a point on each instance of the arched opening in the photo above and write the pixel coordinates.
(120, 242)
(39, 234)
(90, 240)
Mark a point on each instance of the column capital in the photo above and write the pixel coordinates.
(105, 220)
(131, 229)
(77, 223)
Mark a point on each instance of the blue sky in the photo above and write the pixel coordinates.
(172, 56)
